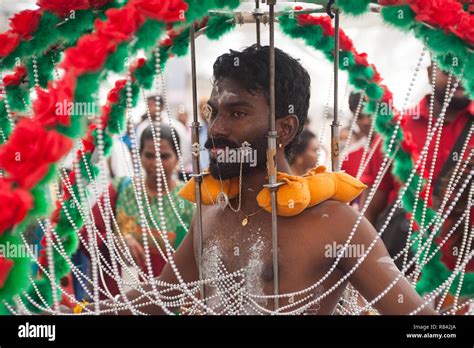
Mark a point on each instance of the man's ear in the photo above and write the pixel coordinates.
(287, 128)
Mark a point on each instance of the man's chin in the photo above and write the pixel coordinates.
(224, 171)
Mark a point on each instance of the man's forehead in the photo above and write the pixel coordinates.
(228, 90)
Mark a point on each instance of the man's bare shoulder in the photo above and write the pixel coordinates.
(332, 209)
(332, 218)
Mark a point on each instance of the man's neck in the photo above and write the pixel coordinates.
(252, 184)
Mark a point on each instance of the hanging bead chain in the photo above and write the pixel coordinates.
(138, 173)
(88, 225)
(465, 247)
(353, 123)
(324, 121)
(422, 169)
(159, 73)
(365, 161)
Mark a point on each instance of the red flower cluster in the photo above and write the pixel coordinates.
(323, 21)
(52, 106)
(464, 28)
(14, 204)
(88, 140)
(16, 78)
(61, 7)
(162, 10)
(8, 42)
(89, 55)
(30, 150)
(120, 23)
(5, 267)
(114, 93)
(443, 13)
(25, 23)
(361, 59)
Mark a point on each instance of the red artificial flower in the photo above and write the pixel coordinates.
(63, 8)
(105, 113)
(464, 29)
(14, 204)
(8, 42)
(376, 78)
(16, 78)
(137, 64)
(56, 214)
(440, 13)
(345, 42)
(387, 95)
(88, 140)
(65, 95)
(5, 267)
(323, 21)
(361, 59)
(114, 93)
(53, 105)
(162, 10)
(166, 42)
(25, 23)
(45, 107)
(120, 23)
(31, 149)
(89, 55)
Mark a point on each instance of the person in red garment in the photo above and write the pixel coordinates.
(355, 150)
(458, 120)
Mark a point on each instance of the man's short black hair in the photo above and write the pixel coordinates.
(354, 100)
(250, 68)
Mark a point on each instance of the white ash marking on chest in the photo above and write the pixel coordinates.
(249, 275)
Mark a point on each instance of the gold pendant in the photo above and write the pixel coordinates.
(245, 221)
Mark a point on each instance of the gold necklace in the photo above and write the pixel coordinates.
(245, 220)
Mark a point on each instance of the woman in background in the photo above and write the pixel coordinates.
(304, 155)
(127, 211)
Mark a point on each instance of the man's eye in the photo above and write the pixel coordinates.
(239, 114)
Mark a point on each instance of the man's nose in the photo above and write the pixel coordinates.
(218, 127)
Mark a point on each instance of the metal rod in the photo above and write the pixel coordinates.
(335, 165)
(271, 155)
(257, 20)
(196, 150)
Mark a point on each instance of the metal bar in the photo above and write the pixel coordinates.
(335, 165)
(195, 160)
(271, 156)
(257, 20)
